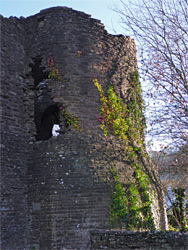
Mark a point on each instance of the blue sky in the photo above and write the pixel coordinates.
(99, 9)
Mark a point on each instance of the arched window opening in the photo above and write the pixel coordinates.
(49, 117)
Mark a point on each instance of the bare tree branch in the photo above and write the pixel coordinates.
(160, 28)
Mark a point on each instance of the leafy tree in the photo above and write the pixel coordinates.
(160, 28)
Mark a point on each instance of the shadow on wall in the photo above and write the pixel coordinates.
(38, 72)
(46, 115)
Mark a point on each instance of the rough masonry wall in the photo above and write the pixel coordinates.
(53, 188)
(137, 240)
(61, 33)
(14, 139)
(43, 174)
(67, 194)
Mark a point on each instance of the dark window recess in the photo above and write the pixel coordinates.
(48, 119)
(37, 71)
(41, 21)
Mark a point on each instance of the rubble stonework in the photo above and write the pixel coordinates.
(53, 188)
(139, 240)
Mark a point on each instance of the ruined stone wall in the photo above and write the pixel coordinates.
(137, 240)
(61, 33)
(53, 188)
(67, 197)
(14, 139)
(71, 182)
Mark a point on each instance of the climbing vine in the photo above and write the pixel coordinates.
(70, 119)
(126, 122)
(54, 73)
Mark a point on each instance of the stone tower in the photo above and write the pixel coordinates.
(53, 188)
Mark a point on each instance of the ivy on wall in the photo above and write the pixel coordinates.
(71, 120)
(125, 121)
